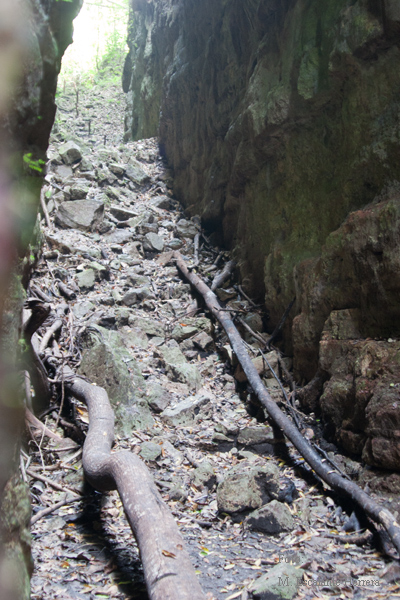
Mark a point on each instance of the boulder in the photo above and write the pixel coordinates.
(85, 215)
(78, 191)
(185, 229)
(273, 518)
(70, 152)
(153, 242)
(204, 475)
(86, 279)
(135, 173)
(136, 295)
(247, 487)
(157, 397)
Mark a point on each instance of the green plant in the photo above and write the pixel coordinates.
(34, 165)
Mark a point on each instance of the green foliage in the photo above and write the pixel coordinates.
(33, 165)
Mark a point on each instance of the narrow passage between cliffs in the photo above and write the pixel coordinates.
(250, 511)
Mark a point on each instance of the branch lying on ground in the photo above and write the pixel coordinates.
(331, 477)
(226, 272)
(34, 421)
(51, 483)
(50, 509)
(168, 571)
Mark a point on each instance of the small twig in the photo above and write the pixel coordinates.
(62, 397)
(23, 468)
(44, 208)
(42, 295)
(286, 373)
(51, 483)
(255, 335)
(34, 421)
(331, 462)
(50, 509)
(290, 407)
(196, 250)
(281, 323)
(246, 297)
(357, 539)
(28, 394)
(50, 331)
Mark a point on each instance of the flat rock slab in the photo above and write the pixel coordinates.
(150, 326)
(184, 373)
(119, 236)
(250, 436)
(85, 215)
(189, 411)
(150, 451)
(122, 214)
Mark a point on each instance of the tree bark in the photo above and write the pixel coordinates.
(337, 482)
(168, 571)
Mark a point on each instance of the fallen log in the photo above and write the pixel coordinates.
(377, 513)
(167, 568)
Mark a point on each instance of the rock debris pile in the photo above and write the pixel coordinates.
(254, 528)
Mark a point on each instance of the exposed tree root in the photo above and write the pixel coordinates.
(331, 477)
(168, 571)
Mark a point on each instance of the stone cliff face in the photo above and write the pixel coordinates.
(280, 121)
(34, 35)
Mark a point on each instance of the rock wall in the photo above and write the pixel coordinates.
(34, 35)
(280, 121)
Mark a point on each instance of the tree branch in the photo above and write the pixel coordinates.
(331, 477)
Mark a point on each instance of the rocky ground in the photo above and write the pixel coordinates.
(249, 509)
